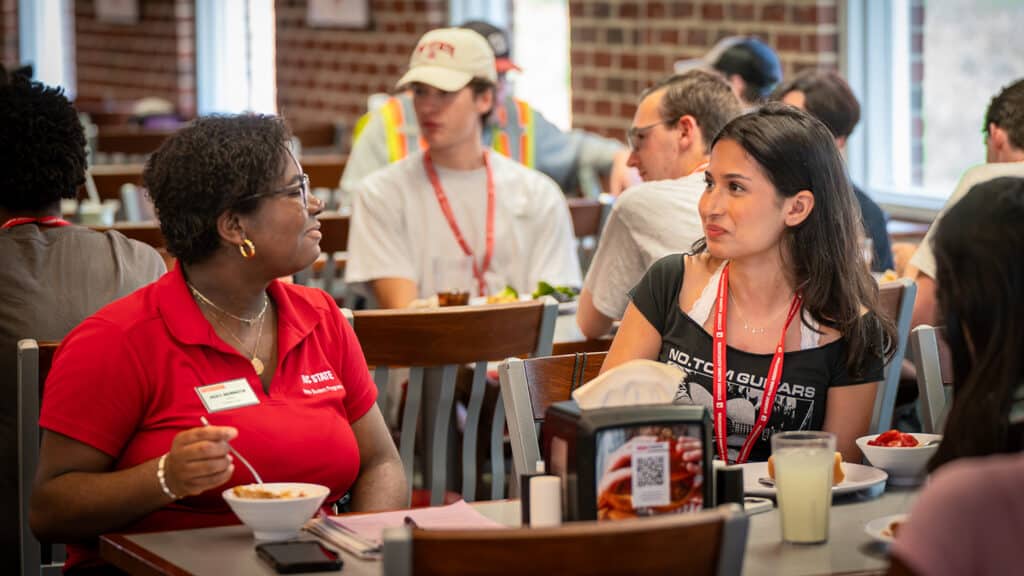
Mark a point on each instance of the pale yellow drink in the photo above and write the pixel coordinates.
(803, 480)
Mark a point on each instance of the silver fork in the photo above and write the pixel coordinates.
(237, 455)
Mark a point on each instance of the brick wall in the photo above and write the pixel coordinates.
(9, 32)
(124, 62)
(327, 73)
(621, 46)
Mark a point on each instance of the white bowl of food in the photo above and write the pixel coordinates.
(904, 460)
(275, 510)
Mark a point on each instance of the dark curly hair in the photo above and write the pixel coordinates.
(217, 163)
(42, 145)
(1007, 111)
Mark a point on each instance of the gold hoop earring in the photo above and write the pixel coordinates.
(247, 248)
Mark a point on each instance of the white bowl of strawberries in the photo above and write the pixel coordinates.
(902, 455)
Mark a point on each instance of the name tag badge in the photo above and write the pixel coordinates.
(227, 395)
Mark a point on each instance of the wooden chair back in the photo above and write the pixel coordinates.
(933, 362)
(715, 541)
(131, 139)
(109, 178)
(324, 170)
(146, 232)
(34, 361)
(529, 387)
(588, 217)
(896, 302)
(326, 272)
(434, 343)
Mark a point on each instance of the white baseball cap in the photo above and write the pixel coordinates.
(448, 58)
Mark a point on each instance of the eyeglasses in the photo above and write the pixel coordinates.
(635, 133)
(303, 190)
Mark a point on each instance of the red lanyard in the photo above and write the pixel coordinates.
(44, 221)
(446, 208)
(771, 385)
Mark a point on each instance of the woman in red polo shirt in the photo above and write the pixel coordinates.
(274, 367)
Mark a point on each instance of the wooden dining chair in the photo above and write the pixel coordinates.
(528, 387)
(34, 361)
(147, 232)
(132, 140)
(933, 362)
(326, 272)
(109, 178)
(707, 543)
(435, 343)
(324, 170)
(896, 302)
(588, 218)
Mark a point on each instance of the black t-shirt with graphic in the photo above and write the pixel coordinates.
(806, 375)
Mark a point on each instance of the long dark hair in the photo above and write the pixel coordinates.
(978, 246)
(796, 152)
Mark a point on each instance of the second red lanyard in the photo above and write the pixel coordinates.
(446, 208)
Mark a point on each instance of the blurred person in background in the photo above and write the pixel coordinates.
(123, 445)
(670, 139)
(969, 517)
(515, 130)
(829, 98)
(53, 274)
(1004, 156)
(749, 65)
(456, 216)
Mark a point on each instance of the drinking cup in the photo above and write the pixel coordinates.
(803, 483)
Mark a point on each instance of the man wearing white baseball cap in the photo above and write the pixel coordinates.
(456, 217)
(389, 133)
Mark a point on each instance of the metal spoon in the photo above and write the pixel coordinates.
(237, 455)
(766, 481)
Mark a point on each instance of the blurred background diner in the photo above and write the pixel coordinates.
(294, 193)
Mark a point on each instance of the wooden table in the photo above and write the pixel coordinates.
(228, 551)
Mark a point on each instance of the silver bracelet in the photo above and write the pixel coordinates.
(163, 479)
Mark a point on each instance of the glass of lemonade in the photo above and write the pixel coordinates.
(803, 481)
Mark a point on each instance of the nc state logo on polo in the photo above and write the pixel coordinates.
(321, 382)
(227, 395)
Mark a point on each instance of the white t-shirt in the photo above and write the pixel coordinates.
(924, 259)
(399, 231)
(648, 221)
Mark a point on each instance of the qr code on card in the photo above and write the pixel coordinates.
(650, 471)
(650, 474)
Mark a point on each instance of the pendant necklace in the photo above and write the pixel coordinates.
(257, 364)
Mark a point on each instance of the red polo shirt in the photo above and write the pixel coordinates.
(124, 382)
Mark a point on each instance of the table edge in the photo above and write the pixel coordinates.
(134, 559)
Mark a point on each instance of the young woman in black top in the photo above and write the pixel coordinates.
(778, 284)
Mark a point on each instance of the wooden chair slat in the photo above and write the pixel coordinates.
(715, 542)
(496, 332)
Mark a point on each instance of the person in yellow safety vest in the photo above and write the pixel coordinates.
(515, 130)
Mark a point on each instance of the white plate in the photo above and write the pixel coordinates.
(564, 308)
(879, 527)
(858, 477)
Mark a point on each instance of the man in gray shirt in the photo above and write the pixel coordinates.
(52, 274)
(671, 136)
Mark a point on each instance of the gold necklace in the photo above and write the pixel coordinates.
(199, 295)
(257, 364)
(748, 327)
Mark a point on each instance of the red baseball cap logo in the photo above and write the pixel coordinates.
(432, 48)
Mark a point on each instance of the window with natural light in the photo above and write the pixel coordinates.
(925, 73)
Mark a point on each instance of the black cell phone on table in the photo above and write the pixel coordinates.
(298, 556)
